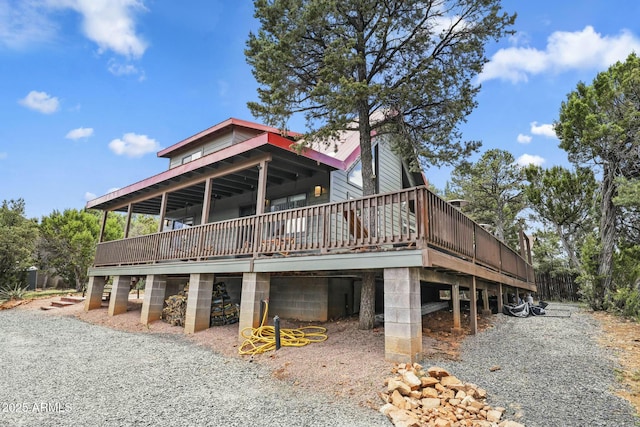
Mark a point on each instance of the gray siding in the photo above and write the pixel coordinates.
(219, 142)
(341, 189)
(390, 168)
(240, 134)
(389, 175)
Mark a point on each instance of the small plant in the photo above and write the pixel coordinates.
(636, 376)
(11, 292)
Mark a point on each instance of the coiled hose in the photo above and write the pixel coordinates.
(263, 338)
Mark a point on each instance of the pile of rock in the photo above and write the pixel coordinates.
(436, 398)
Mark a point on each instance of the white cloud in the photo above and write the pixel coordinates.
(79, 133)
(40, 101)
(529, 159)
(545, 130)
(127, 69)
(24, 23)
(524, 139)
(134, 145)
(3, 155)
(584, 49)
(111, 190)
(110, 24)
(89, 196)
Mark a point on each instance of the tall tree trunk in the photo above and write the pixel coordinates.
(607, 237)
(574, 262)
(368, 294)
(367, 301)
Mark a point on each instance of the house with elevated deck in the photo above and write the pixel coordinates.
(239, 204)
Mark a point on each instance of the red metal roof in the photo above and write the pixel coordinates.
(229, 123)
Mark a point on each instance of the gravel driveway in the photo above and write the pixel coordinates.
(551, 373)
(58, 370)
(61, 371)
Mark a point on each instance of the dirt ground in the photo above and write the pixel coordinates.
(350, 363)
(622, 336)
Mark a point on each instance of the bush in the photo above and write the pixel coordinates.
(626, 301)
(14, 291)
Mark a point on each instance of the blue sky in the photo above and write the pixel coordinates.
(92, 89)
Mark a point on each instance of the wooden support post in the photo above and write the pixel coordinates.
(206, 203)
(486, 310)
(163, 211)
(500, 298)
(103, 225)
(127, 224)
(455, 303)
(473, 309)
(262, 187)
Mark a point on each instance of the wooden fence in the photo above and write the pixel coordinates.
(557, 287)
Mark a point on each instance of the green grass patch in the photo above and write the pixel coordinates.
(49, 293)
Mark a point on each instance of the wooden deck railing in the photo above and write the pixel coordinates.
(409, 218)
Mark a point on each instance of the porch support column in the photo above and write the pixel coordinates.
(94, 293)
(455, 305)
(206, 203)
(119, 295)
(154, 295)
(127, 224)
(473, 310)
(198, 316)
(500, 298)
(402, 315)
(103, 225)
(486, 310)
(163, 211)
(262, 187)
(255, 288)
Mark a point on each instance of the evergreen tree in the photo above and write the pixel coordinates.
(494, 188)
(17, 244)
(564, 201)
(400, 67)
(598, 127)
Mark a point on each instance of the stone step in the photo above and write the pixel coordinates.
(62, 303)
(73, 300)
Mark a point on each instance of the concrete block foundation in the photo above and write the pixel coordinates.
(198, 316)
(119, 295)
(94, 293)
(402, 315)
(154, 296)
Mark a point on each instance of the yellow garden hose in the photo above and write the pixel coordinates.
(263, 338)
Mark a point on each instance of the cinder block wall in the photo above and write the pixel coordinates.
(301, 298)
(341, 298)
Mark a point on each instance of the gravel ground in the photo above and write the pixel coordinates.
(552, 372)
(61, 371)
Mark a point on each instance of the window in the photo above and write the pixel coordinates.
(289, 202)
(354, 176)
(190, 157)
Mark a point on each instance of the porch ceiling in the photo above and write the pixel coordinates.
(285, 166)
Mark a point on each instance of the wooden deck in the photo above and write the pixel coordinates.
(413, 220)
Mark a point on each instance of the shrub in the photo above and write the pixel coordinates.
(13, 291)
(627, 302)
